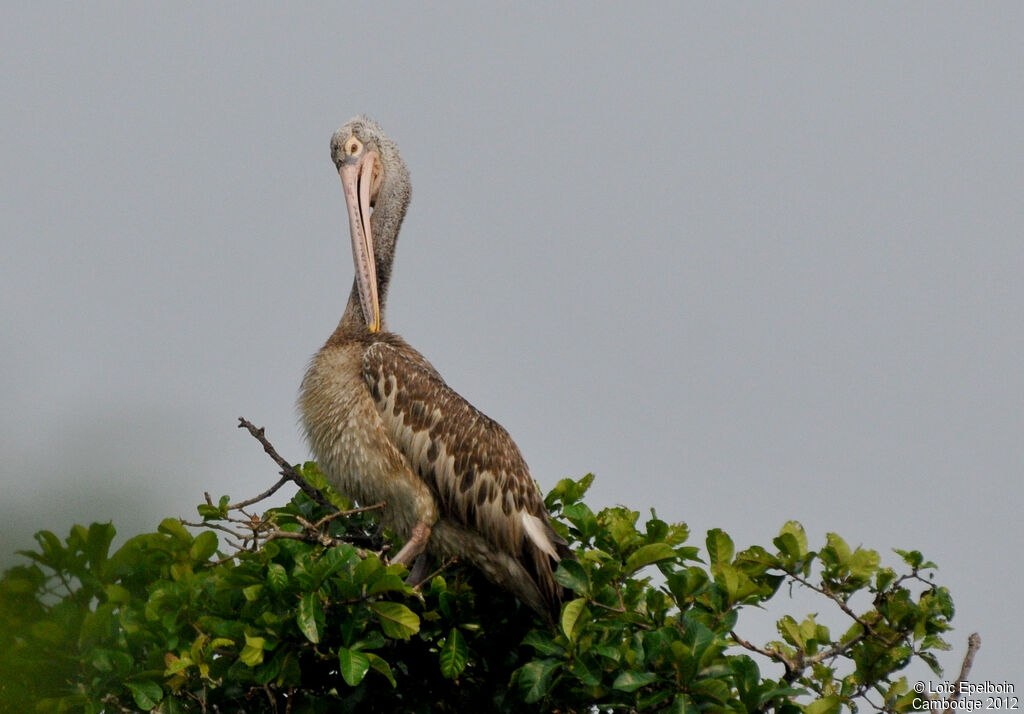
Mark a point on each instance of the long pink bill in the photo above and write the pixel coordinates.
(355, 180)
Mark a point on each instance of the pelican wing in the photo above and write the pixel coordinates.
(480, 477)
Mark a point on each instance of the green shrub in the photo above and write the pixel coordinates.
(296, 610)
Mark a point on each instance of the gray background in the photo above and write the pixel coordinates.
(746, 262)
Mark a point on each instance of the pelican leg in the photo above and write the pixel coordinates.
(413, 547)
(419, 571)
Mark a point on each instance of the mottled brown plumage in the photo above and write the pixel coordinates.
(385, 426)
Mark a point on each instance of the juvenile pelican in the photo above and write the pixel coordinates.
(385, 426)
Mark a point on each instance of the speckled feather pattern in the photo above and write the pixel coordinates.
(348, 438)
(385, 426)
(471, 464)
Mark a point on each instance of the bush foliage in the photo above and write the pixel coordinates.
(297, 610)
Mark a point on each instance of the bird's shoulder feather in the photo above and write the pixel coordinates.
(471, 463)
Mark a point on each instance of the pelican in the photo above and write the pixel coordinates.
(384, 425)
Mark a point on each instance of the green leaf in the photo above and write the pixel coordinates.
(568, 491)
(177, 664)
(454, 654)
(884, 578)
(570, 616)
(534, 679)
(207, 511)
(837, 547)
(117, 593)
(620, 523)
(146, 694)
(580, 515)
(97, 543)
(720, 548)
(204, 546)
(660, 531)
(111, 661)
(913, 558)
(354, 665)
(173, 527)
(864, 563)
(310, 616)
(387, 582)
(796, 542)
(728, 576)
(252, 653)
(647, 554)
(97, 625)
(573, 575)
(650, 701)
(631, 681)
(365, 568)
(53, 549)
(683, 704)
(825, 705)
(711, 688)
(181, 571)
(543, 642)
(277, 577)
(790, 631)
(18, 586)
(396, 620)
(379, 664)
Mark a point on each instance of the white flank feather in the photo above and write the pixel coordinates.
(535, 529)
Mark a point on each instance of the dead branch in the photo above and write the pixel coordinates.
(444, 566)
(973, 644)
(793, 669)
(255, 499)
(288, 471)
(252, 530)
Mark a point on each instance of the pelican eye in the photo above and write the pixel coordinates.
(353, 145)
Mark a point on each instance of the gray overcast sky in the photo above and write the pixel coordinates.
(746, 262)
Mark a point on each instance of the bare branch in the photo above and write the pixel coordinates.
(287, 470)
(216, 526)
(444, 566)
(840, 648)
(349, 512)
(973, 644)
(266, 494)
(309, 536)
(888, 642)
(754, 648)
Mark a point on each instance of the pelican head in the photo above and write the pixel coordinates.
(376, 186)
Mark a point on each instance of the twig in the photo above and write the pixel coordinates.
(308, 536)
(252, 530)
(444, 566)
(270, 697)
(287, 470)
(216, 526)
(973, 643)
(305, 535)
(622, 605)
(840, 648)
(773, 654)
(313, 533)
(350, 512)
(842, 606)
(793, 669)
(266, 494)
